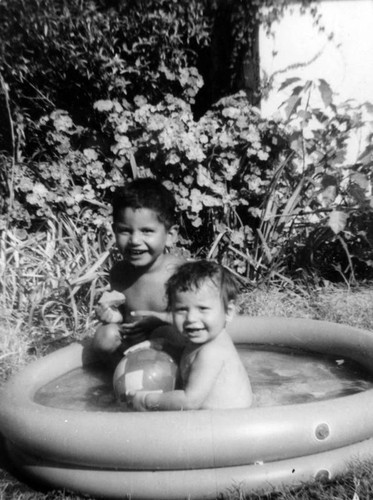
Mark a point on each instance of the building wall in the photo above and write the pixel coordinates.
(345, 62)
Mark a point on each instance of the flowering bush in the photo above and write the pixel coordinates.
(215, 166)
(67, 181)
(262, 196)
(249, 190)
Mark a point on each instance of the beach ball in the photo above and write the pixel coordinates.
(144, 368)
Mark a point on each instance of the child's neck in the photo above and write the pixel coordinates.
(152, 267)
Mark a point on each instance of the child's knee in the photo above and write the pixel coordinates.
(107, 338)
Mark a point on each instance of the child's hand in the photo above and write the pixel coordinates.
(161, 316)
(107, 308)
(138, 400)
(108, 314)
(140, 328)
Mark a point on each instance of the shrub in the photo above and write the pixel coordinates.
(57, 54)
(264, 196)
(246, 192)
(252, 191)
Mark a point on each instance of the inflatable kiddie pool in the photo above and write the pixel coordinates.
(192, 454)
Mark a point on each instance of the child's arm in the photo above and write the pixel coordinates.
(203, 374)
(163, 316)
(145, 322)
(107, 308)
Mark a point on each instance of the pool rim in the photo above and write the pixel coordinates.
(195, 439)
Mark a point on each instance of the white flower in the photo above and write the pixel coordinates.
(122, 128)
(40, 189)
(140, 100)
(103, 105)
(262, 155)
(231, 112)
(63, 123)
(90, 154)
(195, 198)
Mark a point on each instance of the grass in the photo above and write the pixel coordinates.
(49, 282)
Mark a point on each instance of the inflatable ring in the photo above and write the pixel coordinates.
(193, 453)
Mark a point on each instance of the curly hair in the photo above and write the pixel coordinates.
(146, 193)
(192, 275)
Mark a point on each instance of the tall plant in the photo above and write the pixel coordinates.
(339, 241)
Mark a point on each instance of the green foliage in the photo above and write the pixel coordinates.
(57, 54)
(266, 197)
(338, 242)
(51, 278)
(218, 167)
(69, 181)
(260, 195)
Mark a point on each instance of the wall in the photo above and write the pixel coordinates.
(345, 62)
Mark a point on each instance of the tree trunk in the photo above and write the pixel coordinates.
(231, 63)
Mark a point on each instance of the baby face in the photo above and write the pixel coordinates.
(199, 314)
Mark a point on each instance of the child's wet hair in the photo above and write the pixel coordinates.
(146, 193)
(192, 275)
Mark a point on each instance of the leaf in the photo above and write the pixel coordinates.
(293, 101)
(214, 249)
(287, 82)
(265, 246)
(358, 193)
(292, 202)
(369, 106)
(337, 221)
(366, 156)
(134, 168)
(326, 92)
(360, 179)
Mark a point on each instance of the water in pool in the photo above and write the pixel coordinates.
(279, 376)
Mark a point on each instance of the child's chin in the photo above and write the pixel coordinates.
(139, 262)
(197, 340)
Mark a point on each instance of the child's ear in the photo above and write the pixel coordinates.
(172, 234)
(231, 311)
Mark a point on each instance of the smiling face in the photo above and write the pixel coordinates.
(141, 237)
(199, 314)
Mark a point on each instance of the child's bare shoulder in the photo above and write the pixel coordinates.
(220, 348)
(171, 263)
(211, 351)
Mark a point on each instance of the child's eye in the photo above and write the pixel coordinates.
(122, 230)
(180, 309)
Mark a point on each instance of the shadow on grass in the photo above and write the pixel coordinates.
(13, 484)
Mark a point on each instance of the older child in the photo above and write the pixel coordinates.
(201, 296)
(145, 228)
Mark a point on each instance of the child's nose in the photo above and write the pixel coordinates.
(191, 315)
(135, 238)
